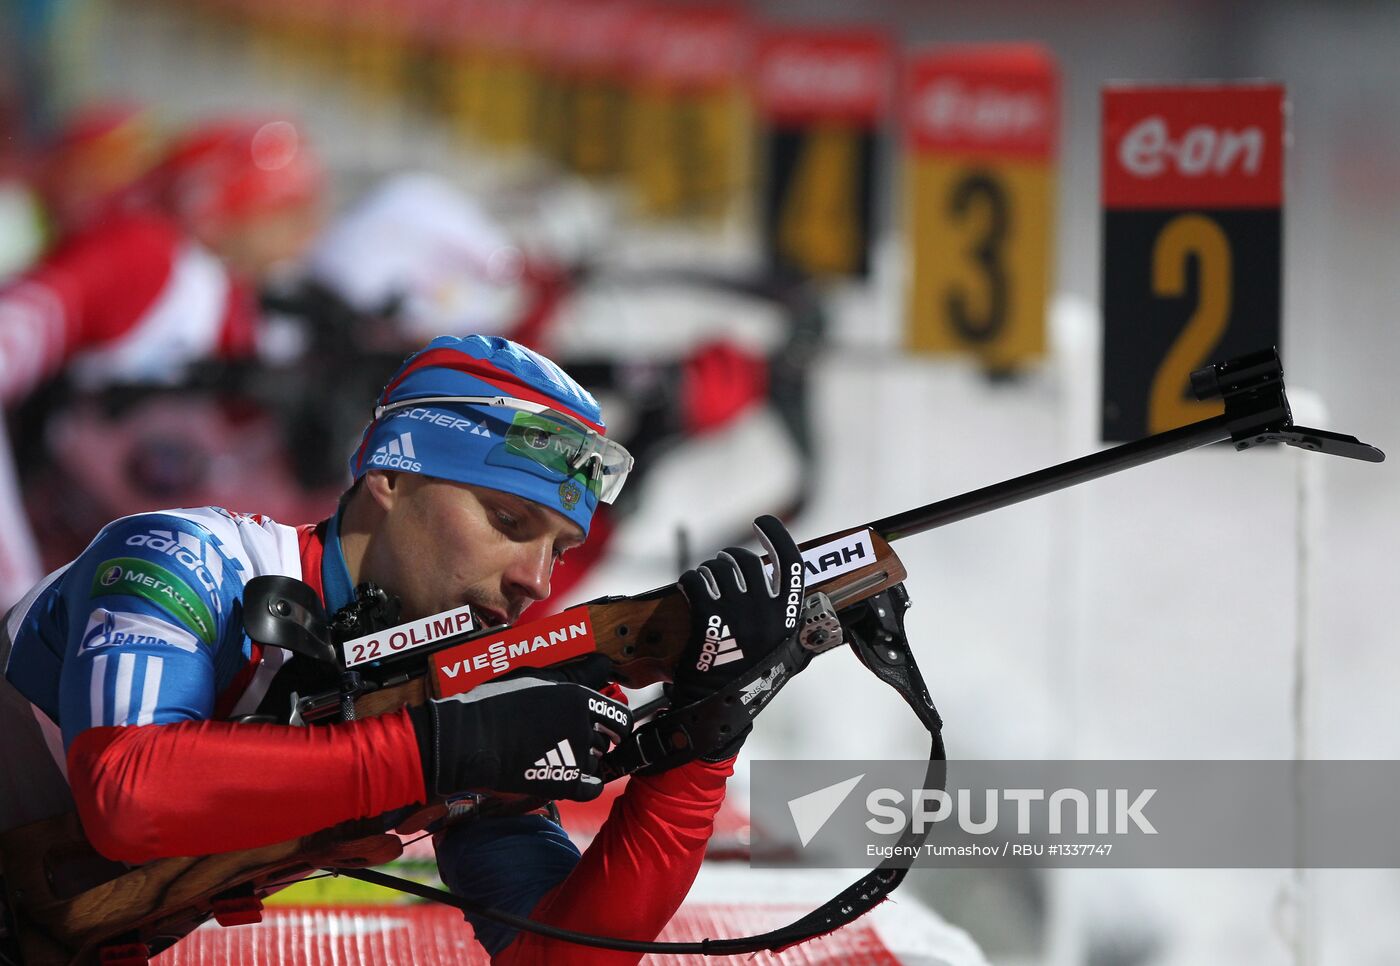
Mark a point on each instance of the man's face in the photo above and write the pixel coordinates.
(443, 544)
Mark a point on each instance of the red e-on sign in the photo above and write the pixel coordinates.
(995, 101)
(1193, 202)
(810, 75)
(1206, 146)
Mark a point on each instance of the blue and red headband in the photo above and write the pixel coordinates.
(480, 443)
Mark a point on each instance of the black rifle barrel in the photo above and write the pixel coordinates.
(1053, 478)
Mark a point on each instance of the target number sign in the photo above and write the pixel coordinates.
(980, 132)
(821, 96)
(1192, 232)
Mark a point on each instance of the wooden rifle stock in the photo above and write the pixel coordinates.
(644, 635)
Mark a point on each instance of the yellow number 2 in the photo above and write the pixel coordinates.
(1186, 237)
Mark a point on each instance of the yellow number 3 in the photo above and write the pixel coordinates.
(1185, 237)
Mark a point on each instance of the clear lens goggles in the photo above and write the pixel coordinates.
(550, 439)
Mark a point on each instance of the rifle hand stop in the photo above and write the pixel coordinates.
(1257, 410)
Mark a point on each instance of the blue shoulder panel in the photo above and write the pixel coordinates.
(145, 626)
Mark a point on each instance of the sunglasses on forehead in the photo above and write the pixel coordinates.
(548, 439)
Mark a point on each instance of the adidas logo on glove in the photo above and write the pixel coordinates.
(719, 647)
(608, 710)
(558, 766)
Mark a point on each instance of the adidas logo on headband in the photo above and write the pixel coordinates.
(397, 454)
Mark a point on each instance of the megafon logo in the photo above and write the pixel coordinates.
(950, 108)
(1149, 149)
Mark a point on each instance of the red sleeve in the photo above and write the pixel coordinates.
(200, 787)
(634, 876)
(92, 289)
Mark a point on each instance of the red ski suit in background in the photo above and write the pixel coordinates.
(132, 299)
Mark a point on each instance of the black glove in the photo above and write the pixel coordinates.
(738, 617)
(540, 732)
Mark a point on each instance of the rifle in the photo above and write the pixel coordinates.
(72, 905)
